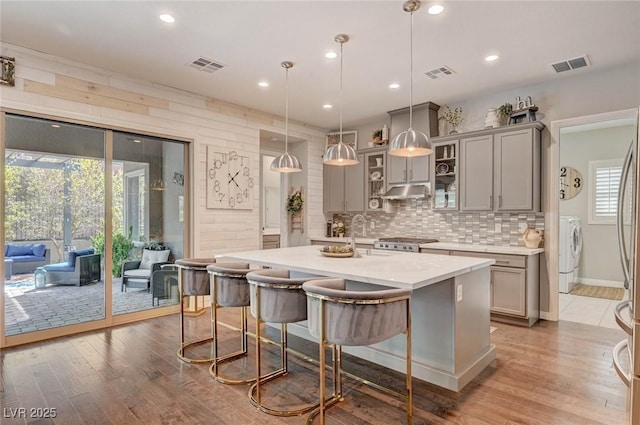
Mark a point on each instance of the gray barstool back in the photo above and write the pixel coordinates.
(338, 316)
(193, 280)
(229, 288)
(276, 298)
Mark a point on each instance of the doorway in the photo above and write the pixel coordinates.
(591, 151)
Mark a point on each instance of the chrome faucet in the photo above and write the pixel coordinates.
(353, 230)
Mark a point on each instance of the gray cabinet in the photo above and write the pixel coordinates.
(375, 175)
(476, 177)
(343, 187)
(500, 169)
(409, 170)
(515, 285)
(444, 181)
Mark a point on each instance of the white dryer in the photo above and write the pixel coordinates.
(570, 244)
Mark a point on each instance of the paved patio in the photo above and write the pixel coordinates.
(28, 309)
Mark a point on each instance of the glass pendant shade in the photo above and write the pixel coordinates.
(340, 154)
(410, 142)
(286, 163)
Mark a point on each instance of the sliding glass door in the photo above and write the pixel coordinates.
(54, 209)
(93, 221)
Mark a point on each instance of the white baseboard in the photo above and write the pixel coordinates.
(545, 315)
(600, 282)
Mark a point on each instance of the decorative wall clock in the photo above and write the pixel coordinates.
(571, 182)
(229, 180)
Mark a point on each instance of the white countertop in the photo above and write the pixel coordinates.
(388, 268)
(366, 241)
(493, 249)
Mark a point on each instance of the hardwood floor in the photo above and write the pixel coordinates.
(552, 374)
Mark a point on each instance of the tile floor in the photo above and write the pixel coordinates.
(589, 310)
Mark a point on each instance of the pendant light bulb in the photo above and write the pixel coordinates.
(410, 142)
(340, 153)
(286, 163)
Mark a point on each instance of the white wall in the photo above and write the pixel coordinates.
(72, 91)
(599, 258)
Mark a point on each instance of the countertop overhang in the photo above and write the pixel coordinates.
(387, 268)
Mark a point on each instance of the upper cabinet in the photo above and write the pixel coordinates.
(343, 187)
(416, 169)
(500, 169)
(445, 175)
(375, 175)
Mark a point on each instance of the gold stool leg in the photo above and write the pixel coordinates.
(183, 344)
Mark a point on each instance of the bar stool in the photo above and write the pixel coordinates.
(193, 280)
(276, 298)
(354, 318)
(229, 288)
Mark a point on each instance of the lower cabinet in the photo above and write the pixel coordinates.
(515, 285)
(270, 241)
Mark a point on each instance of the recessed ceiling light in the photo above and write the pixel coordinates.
(137, 141)
(55, 126)
(436, 9)
(491, 58)
(394, 85)
(263, 84)
(327, 106)
(167, 18)
(331, 55)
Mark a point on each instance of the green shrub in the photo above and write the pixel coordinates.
(120, 252)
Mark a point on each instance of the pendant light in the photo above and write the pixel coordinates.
(340, 154)
(410, 142)
(286, 163)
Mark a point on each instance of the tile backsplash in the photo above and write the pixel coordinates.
(415, 218)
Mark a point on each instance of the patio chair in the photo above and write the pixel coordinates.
(138, 273)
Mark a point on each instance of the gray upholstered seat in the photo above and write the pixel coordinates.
(276, 297)
(356, 318)
(229, 288)
(193, 280)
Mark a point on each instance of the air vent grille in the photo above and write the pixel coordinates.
(205, 65)
(569, 64)
(443, 71)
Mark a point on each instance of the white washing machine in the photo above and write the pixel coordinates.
(570, 241)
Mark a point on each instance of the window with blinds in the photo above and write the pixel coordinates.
(604, 181)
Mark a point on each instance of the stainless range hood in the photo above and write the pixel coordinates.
(409, 191)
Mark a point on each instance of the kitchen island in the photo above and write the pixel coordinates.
(449, 303)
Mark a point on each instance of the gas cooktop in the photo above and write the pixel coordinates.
(402, 243)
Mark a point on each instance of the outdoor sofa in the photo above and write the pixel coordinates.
(27, 257)
(81, 268)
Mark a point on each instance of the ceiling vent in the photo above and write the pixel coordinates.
(206, 65)
(443, 71)
(567, 65)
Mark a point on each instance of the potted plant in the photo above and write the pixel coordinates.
(504, 112)
(377, 136)
(453, 117)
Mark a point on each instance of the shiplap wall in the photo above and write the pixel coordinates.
(72, 91)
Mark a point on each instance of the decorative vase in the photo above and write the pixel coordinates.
(532, 237)
(492, 120)
(454, 131)
(443, 129)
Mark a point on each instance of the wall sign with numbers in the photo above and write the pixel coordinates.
(571, 182)
(229, 180)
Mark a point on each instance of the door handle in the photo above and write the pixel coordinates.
(625, 325)
(499, 201)
(621, 346)
(411, 174)
(624, 257)
(490, 202)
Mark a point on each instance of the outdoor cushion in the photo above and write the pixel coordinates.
(138, 273)
(59, 267)
(26, 258)
(38, 249)
(151, 257)
(18, 250)
(74, 254)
